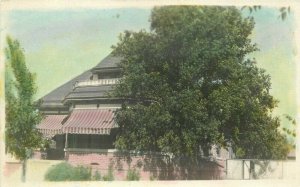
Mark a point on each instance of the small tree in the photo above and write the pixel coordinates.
(21, 136)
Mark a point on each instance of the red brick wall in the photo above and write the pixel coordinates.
(155, 166)
(102, 161)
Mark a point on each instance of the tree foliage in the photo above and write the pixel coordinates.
(189, 85)
(284, 11)
(21, 115)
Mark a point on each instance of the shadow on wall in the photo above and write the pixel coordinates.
(163, 167)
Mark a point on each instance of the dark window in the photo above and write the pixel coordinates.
(91, 141)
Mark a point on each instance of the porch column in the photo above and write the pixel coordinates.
(66, 147)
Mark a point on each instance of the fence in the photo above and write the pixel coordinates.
(260, 169)
(35, 171)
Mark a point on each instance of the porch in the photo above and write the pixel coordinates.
(83, 128)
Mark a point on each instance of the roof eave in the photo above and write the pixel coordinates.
(106, 70)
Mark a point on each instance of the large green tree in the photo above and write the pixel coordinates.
(189, 85)
(21, 116)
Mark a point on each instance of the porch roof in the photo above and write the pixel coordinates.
(89, 121)
(51, 125)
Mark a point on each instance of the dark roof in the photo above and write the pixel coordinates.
(56, 97)
(108, 62)
(86, 92)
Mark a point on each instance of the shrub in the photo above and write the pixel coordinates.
(152, 178)
(133, 175)
(109, 176)
(81, 173)
(97, 176)
(59, 172)
(66, 172)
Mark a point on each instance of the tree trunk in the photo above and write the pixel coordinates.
(24, 165)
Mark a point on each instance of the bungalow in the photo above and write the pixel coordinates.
(79, 114)
(79, 120)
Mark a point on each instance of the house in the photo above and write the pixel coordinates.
(79, 119)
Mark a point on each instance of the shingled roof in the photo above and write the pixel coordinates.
(56, 97)
(108, 62)
(89, 92)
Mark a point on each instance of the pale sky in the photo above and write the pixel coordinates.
(61, 44)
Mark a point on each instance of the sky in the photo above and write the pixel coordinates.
(61, 44)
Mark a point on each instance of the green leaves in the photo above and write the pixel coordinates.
(66, 172)
(284, 11)
(21, 116)
(133, 175)
(290, 131)
(189, 85)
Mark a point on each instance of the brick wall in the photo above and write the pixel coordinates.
(149, 166)
(102, 161)
(36, 155)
